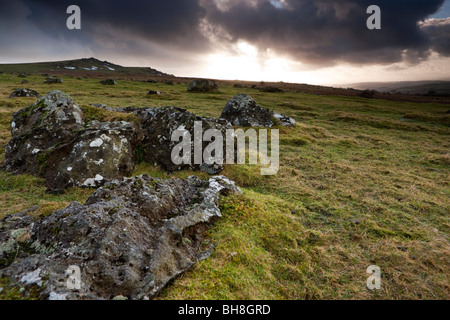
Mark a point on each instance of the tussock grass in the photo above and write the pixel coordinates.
(91, 113)
(361, 182)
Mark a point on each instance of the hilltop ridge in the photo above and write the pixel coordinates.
(89, 66)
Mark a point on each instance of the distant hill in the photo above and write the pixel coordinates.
(89, 66)
(95, 68)
(407, 87)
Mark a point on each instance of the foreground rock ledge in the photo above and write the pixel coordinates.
(129, 239)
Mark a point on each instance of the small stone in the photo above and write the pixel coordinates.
(109, 82)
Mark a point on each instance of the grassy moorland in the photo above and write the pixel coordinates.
(362, 182)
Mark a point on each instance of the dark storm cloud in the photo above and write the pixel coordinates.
(320, 32)
(164, 21)
(438, 30)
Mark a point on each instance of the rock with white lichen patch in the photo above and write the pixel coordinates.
(27, 93)
(50, 139)
(130, 239)
(159, 124)
(243, 111)
(101, 152)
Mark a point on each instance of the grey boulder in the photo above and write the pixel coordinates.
(21, 92)
(202, 85)
(50, 140)
(160, 123)
(51, 80)
(130, 239)
(243, 111)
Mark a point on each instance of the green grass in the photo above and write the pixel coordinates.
(361, 182)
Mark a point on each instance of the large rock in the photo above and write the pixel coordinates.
(243, 111)
(51, 140)
(21, 92)
(202, 85)
(101, 152)
(160, 123)
(129, 240)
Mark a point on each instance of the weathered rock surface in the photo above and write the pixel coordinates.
(109, 82)
(159, 125)
(129, 240)
(243, 111)
(101, 152)
(202, 85)
(21, 92)
(283, 120)
(51, 140)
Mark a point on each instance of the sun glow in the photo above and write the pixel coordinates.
(246, 62)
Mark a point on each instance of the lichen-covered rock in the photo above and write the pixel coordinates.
(40, 128)
(101, 152)
(202, 85)
(21, 92)
(130, 239)
(283, 120)
(51, 140)
(243, 111)
(160, 123)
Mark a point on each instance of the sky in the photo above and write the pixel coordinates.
(322, 42)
